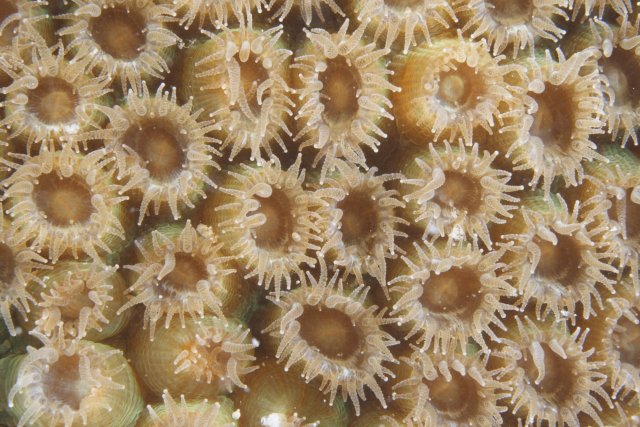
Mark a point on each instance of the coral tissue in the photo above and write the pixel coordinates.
(302, 213)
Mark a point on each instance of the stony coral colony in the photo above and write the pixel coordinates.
(319, 213)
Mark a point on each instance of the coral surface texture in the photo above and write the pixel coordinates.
(319, 213)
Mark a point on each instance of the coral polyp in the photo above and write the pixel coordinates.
(65, 203)
(614, 187)
(455, 191)
(563, 108)
(70, 383)
(406, 23)
(360, 222)
(240, 77)
(624, 411)
(451, 390)
(618, 60)
(307, 8)
(218, 13)
(320, 213)
(556, 257)
(79, 300)
(163, 152)
(52, 98)
(553, 377)
(21, 23)
(274, 396)
(266, 219)
(598, 7)
(187, 413)
(616, 339)
(449, 88)
(20, 266)
(343, 96)
(516, 23)
(179, 271)
(127, 39)
(349, 354)
(200, 359)
(449, 295)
